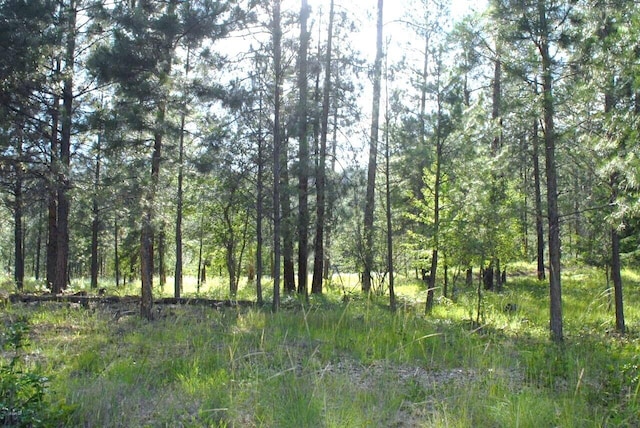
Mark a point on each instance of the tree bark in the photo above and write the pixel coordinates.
(277, 65)
(318, 271)
(62, 250)
(436, 204)
(18, 204)
(177, 281)
(538, 202)
(555, 289)
(259, 206)
(392, 293)
(95, 211)
(116, 256)
(373, 154)
(303, 153)
(147, 233)
(289, 278)
(617, 280)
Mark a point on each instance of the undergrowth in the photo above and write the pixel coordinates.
(343, 360)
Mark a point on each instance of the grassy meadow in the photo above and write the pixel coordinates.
(340, 360)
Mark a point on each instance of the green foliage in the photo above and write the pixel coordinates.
(23, 392)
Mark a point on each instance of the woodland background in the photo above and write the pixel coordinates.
(151, 141)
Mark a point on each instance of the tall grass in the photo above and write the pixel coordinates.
(343, 360)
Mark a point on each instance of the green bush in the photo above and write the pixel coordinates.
(22, 392)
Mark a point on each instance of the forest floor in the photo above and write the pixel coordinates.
(340, 360)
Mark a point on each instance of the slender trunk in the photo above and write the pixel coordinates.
(392, 294)
(615, 237)
(289, 280)
(303, 153)
(95, 224)
(62, 251)
(147, 233)
(436, 208)
(617, 280)
(259, 206)
(177, 282)
(555, 289)
(116, 256)
(162, 271)
(177, 278)
(316, 284)
(36, 269)
(373, 154)
(18, 224)
(200, 248)
(52, 208)
(277, 64)
(538, 202)
(230, 245)
(331, 199)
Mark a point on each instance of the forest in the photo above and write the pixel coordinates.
(421, 173)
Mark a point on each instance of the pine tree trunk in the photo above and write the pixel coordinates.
(95, 224)
(62, 250)
(318, 263)
(289, 280)
(116, 256)
(392, 292)
(38, 252)
(18, 223)
(303, 153)
(177, 280)
(373, 154)
(538, 202)
(555, 289)
(277, 65)
(259, 206)
(52, 207)
(617, 280)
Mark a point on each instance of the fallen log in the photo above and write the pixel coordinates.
(86, 300)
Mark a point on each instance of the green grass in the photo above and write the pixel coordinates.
(347, 362)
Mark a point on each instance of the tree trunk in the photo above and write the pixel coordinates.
(162, 271)
(116, 257)
(392, 293)
(18, 223)
(200, 249)
(52, 208)
(555, 289)
(615, 238)
(373, 154)
(95, 224)
(277, 65)
(303, 153)
(38, 252)
(177, 281)
(318, 271)
(332, 197)
(62, 250)
(436, 205)
(259, 206)
(147, 233)
(289, 279)
(538, 202)
(617, 280)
